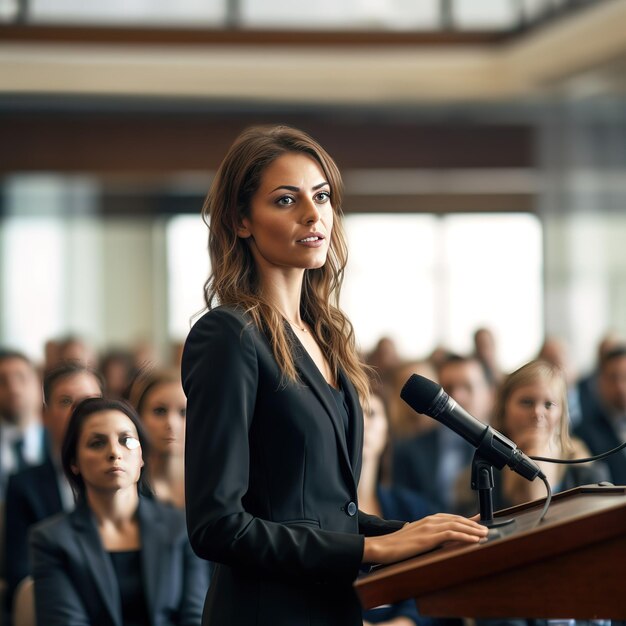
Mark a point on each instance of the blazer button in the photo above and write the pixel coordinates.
(351, 509)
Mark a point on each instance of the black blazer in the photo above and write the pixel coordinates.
(271, 487)
(599, 433)
(32, 495)
(75, 583)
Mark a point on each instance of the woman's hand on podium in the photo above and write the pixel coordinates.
(421, 536)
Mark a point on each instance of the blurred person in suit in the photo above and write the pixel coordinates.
(431, 462)
(22, 441)
(158, 397)
(588, 385)
(121, 558)
(274, 391)
(37, 492)
(604, 428)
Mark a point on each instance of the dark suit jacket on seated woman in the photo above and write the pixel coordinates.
(120, 558)
(76, 582)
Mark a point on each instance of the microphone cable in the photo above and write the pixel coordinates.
(548, 497)
(589, 459)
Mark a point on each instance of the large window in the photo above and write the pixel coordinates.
(421, 279)
(187, 269)
(367, 15)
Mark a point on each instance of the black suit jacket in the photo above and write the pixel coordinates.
(76, 585)
(599, 433)
(32, 495)
(271, 487)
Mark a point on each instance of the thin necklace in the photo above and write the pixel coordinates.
(302, 328)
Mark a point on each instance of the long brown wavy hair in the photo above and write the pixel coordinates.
(234, 279)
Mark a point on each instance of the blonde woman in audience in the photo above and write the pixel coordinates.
(121, 557)
(158, 397)
(531, 410)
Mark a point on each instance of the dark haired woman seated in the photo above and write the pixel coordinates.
(121, 558)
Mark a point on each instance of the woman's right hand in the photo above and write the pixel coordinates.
(421, 536)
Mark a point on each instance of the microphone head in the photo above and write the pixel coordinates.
(419, 393)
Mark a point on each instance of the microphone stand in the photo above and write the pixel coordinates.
(482, 481)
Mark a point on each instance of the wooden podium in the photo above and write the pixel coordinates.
(571, 565)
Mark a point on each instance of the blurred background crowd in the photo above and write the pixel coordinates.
(412, 465)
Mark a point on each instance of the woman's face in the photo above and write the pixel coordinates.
(533, 412)
(291, 216)
(163, 414)
(108, 453)
(375, 429)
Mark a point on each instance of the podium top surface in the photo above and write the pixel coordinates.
(578, 517)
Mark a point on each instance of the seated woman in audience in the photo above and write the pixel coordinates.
(377, 497)
(531, 410)
(158, 397)
(121, 557)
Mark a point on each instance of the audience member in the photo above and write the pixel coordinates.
(38, 492)
(431, 462)
(51, 354)
(144, 354)
(605, 428)
(531, 410)
(74, 349)
(438, 356)
(118, 369)
(403, 420)
(120, 557)
(555, 351)
(588, 386)
(377, 497)
(158, 397)
(383, 359)
(485, 349)
(21, 432)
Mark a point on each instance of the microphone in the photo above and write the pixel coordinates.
(427, 397)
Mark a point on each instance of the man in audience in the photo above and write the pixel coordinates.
(21, 431)
(605, 428)
(556, 352)
(588, 385)
(41, 491)
(485, 350)
(431, 462)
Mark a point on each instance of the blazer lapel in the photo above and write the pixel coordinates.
(155, 555)
(355, 431)
(98, 562)
(311, 375)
